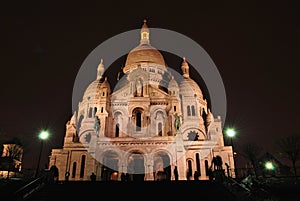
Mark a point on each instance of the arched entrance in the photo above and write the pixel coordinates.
(110, 167)
(136, 167)
(137, 117)
(162, 166)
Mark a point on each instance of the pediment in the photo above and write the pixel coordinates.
(121, 93)
(156, 93)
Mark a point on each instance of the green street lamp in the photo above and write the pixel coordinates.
(269, 165)
(231, 133)
(44, 135)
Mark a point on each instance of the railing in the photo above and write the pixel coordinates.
(240, 186)
(252, 191)
(28, 189)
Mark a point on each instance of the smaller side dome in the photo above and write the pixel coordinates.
(98, 85)
(105, 84)
(189, 87)
(92, 90)
(173, 87)
(173, 83)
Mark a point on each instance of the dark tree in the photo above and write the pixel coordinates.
(251, 151)
(289, 148)
(13, 151)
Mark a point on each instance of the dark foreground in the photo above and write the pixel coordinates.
(159, 190)
(274, 189)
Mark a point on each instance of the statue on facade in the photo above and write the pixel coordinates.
(209, 120)
(139, 88)
(97, 124)
(177, 123)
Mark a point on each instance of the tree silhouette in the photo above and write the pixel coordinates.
(289, 148)
(251, 151)
(12, 151)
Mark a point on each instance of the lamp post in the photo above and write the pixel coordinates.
(42, 136)
(269, 167)
(230, 132)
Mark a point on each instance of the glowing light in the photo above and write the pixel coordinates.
(269, 165)
(230, 132)
(44, 135)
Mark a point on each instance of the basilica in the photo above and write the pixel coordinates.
(151, 126)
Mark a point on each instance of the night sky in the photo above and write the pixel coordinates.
(255, 47)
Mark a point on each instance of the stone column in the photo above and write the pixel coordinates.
(149, 168)
(180, 157)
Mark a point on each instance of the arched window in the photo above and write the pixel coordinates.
(118, 119)
(95, 111)
(138, 121)
(80, 120)
(159, 129)
(117, 129)
(190, 169)
(198, 163)
(90, 112)
(101, 109)
(137, 118)
(188, 110)
(206, 167)
(193, 111)
(82, 165)
(74, 170)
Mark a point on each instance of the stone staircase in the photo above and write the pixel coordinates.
(156, 190)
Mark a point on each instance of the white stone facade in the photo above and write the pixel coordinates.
(136, 132)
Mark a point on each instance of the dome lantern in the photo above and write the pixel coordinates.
(145, 34)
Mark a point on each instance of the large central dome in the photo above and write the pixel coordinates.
(144, 52)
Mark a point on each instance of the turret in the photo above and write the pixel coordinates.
(100, 70)
(185, 68)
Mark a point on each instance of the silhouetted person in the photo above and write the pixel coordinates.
(188, 175)
(228, 169)
(67, 175)
(54, 173)
(176, 173)
(210, 174)
(127, 177)
(196, 175)
(123, 177)
(93, 177)
(218, 162)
